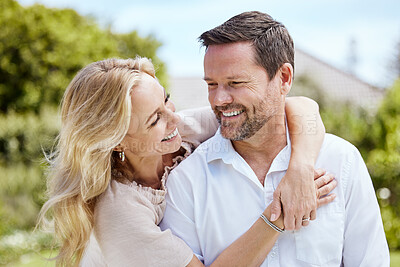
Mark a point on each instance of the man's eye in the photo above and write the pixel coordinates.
(236, 83)
(167, 98)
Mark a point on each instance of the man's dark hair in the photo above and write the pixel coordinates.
(271, 40)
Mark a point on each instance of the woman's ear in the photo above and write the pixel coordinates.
(119, 148)
(286, 72)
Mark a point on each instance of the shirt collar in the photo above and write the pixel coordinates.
(222, 148)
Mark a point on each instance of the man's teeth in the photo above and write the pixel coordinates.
(172, 135)
(232, 113)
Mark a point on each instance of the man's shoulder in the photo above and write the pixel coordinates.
(336, 149)
(333, 143)
(200, 154)
(197, 162)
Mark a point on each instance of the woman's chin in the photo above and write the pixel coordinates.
(173, 145)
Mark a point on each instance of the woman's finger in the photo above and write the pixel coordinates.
(325, 200)
(313, 215)
(318, 173)
(326, 189)
(305, 222)
(323, 180)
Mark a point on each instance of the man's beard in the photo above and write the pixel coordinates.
(250, 126)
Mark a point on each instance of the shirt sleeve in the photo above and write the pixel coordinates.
(128, 236)
(197, 125)
(179, 212)
(364, 241)
(93, 257)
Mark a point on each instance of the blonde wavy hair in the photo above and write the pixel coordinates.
(95, 116)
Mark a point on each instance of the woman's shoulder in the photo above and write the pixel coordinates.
(132, 201)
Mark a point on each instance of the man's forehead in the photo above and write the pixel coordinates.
(242, 74)
(232, 61)
(245, 47)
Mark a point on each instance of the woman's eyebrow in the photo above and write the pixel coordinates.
(152, 114)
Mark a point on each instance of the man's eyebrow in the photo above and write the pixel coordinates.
(236, 77)
(228, 78)
(152, 114)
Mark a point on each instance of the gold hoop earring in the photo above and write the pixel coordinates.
(122, 156)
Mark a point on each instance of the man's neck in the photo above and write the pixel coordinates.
(260, 150)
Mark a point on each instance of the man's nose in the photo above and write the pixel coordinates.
(220, 97)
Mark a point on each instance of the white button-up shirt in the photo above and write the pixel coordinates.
(214, 197)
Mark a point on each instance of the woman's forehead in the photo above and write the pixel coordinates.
(147, 95)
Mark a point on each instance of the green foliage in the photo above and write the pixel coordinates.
(394, 258)
(23, 139)
(305, 86)
(384, 161)
(131, 44)
(377, 136)
(351, 123)
(14, 245)
(41, 49)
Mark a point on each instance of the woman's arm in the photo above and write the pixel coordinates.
(128, 235)
(197, 125)
(295, 194)
(252, 247)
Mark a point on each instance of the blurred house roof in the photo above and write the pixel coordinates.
(336, 83)
(189, 92)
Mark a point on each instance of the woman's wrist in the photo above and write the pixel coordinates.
(300, 159)
(301, 164)
(278, 222)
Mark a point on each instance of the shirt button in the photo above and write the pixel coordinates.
(273, 254)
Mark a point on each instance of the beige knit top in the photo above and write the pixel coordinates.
(126, 215)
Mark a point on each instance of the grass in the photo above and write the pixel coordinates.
(394, 258)
(36, 260)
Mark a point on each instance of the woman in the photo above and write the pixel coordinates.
(113, 149)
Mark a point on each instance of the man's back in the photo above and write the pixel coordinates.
(214, 197)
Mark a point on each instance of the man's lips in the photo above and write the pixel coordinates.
(234, 113)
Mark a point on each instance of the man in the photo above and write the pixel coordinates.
(221, 189)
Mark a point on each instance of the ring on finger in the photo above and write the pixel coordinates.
(305, 220)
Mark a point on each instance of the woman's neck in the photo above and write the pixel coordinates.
(146, 171)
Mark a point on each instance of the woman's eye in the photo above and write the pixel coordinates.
(155, 122)
(167, 98)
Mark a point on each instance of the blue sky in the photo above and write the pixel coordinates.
(320, 27)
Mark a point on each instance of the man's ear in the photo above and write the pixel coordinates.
(286, 75)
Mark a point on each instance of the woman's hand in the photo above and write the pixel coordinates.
(324, 184)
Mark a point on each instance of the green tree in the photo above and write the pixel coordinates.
(384, 161)
(377, 136)
(41, 49)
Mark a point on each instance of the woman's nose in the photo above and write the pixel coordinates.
(173, 118)
(171, 105)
